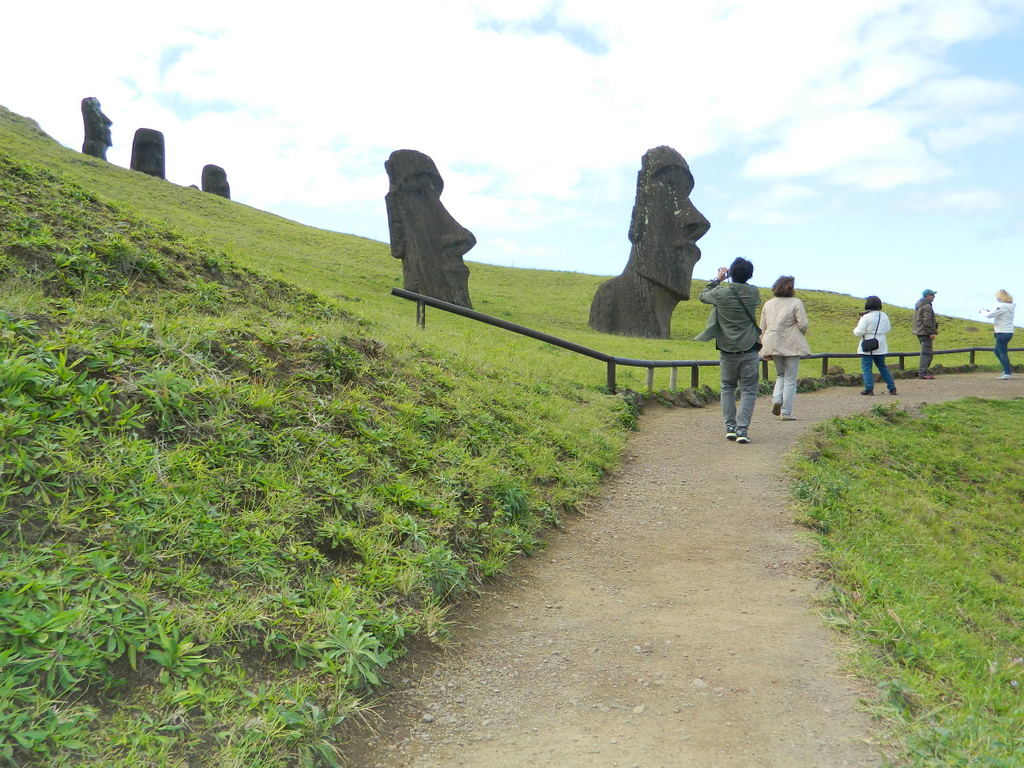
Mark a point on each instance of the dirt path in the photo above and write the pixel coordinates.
(673, 625)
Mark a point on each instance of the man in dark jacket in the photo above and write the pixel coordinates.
(736, 336)
(925, 327)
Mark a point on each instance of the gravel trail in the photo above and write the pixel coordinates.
(671, 625)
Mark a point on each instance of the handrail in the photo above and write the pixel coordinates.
(612, 361)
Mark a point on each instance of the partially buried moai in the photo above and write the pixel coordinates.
(664, 230)
(215, 181)
(424, 235)
(97, 129)
(148, 152)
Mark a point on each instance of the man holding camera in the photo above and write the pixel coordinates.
(737, 338)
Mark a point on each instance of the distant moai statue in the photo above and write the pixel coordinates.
(215, 180)
(424, 235)
(97, 129)
(664, 230)
(148, 152)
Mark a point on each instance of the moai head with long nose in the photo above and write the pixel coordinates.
(97, 129)
(428, 240)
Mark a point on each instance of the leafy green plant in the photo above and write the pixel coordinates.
(352, 655)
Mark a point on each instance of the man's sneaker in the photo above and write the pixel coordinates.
(1006, 376)
(730, 431)
(892, 391)
(867, 391)
(787, 417)
(741, 436)
(776, 409)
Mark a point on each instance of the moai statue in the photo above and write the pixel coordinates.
(664, 231)
(424, 235)
(215, 180)
(97, 129)
(148, 152)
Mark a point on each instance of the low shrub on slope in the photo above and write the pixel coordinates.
(224, 505)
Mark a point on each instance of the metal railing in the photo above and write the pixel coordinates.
(613, 361)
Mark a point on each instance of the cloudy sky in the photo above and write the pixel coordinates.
(868, 146)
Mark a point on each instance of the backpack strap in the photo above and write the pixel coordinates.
(749, 314)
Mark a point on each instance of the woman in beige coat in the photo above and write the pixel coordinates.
(783, 324)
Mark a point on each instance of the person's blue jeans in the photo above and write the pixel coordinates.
(738, 369)
(1002, 342)
(869, 378)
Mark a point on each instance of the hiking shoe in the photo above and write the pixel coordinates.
(730, 431)
(741, 436)
(892, 391)
(787, 417)
(1005, 376)
(867, 391)
(776, 409)
(925, 376)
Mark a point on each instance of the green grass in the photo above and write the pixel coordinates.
(236, 480)
(922, 523)
(226, 504)
(359, 273)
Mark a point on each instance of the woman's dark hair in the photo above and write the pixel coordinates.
(741, 270)
(784, 286)
(872, 303)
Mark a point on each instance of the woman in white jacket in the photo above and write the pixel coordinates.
(874, 324)
(1002, 326)
(784, 321)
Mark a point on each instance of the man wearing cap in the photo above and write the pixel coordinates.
(926, 327)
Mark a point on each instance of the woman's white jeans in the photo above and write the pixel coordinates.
(786, 369)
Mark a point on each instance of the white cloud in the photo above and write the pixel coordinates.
(530, 128)
(967, 200)
(976, 129)
(769, 207)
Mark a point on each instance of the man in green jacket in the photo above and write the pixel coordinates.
(732, 326)
(925, 327)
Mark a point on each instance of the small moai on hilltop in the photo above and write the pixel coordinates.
(97, 129)
(664, 230)
(148, 152)
(428, 240)
(215, 181)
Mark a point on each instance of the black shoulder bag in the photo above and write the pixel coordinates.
(870, 345)
(757, 344)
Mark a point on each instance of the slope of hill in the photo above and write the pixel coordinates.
(227, 503)
(345, 267)
(235, 479)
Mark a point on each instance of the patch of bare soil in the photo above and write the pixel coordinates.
(672, 625)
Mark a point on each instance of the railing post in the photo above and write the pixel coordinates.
(902, 363)
(611, 376)
(824, 367)
(421, 314)
(672, 378)
(972, 357)
(764, 369)
(650, 378)
(694, 376)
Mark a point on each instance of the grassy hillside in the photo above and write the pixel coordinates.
(226, 503)
(341, 267)
(235, 479)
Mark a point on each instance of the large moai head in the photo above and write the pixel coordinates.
(97, 129)
(148, 152)
(665, 226)
(663, 230)
(215, 180)
(424, 235)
